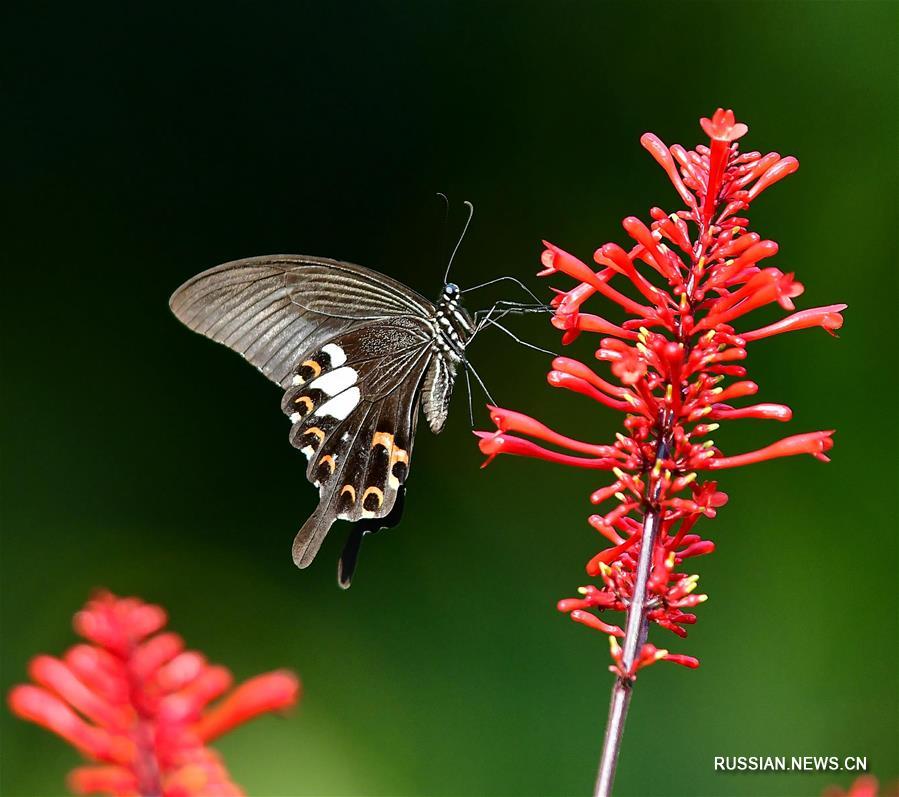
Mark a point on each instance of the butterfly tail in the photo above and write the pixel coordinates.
(309, 538)
(346, 565)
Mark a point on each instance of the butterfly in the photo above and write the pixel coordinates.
(357, 354)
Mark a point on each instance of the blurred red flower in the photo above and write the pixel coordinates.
(139, 705)
(863, 786)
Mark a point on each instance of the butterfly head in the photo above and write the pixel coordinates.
(451, 292)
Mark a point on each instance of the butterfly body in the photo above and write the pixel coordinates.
(357, 355)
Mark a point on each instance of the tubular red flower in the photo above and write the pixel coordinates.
(140, 706)
(511, 421)
(493, 444)
(580, 385)
(103, 780)
(672, 359)
(772, 412)
(260, 695)
(723, 127)
(570, 265)
(814, 443)
(653, 144)
(828, 318)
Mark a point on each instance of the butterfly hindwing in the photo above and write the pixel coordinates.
(354, 408)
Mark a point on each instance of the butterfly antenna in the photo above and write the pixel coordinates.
(517, 281)
(449, 265)
(441, 255)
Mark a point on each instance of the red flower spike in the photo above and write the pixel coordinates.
(672, 360)
(139, 706)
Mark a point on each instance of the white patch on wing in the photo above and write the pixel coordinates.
(335, 354)
(341, 405)
(296, 417)
(297, 380)
(335, 382)
(308, 451)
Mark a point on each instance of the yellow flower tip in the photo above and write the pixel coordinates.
(619, 474)
(582, 590)
(689, 478)
(604, 569)
(669, 562)
(614, 646)
(701, 263)
(702, 598)
(667, 474)
(714, 427)
(621, 439)
(621, 496)
(668, 393)
(660, 654)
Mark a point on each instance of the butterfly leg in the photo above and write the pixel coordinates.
(470, 367)
(470, 400)
(514, 337)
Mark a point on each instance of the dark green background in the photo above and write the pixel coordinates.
(148, 144)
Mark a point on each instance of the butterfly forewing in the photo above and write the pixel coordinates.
(274, 310)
